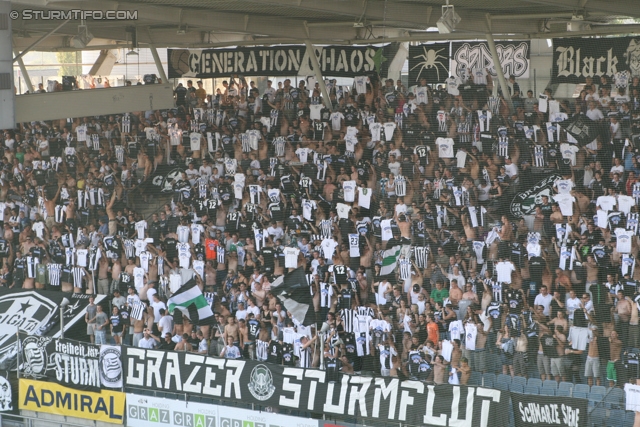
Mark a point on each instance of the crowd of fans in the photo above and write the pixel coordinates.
(274, 180)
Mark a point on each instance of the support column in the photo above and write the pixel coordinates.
(23, 70)
(498, 66)
(104, 64)
(396, 64)
(7, 94)
(318, 72)
(156, 59)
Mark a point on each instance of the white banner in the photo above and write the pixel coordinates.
(144, 410)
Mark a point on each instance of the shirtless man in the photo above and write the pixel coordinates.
(366, 261)
(259, 294)
(113, 221)
(479, 355)
(592, 272)
(244, 338)
(615, 349)
(116, 269)
(469, 294)
(592, 365)
(329, 189)
(103, 276)
(263, 341)
(560, 321)
(149, 321)
(405, 226)
(363, 288)
(231, 330)
(50, 206)
(184, 345)
(138, 329)
(623, 308)
(455, 293)
(557, 365)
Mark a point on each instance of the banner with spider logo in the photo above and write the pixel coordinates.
(429, 61)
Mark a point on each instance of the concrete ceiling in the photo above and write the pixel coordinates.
(216, 23)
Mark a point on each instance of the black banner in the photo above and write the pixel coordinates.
(36, 313)
(75, 364)
(577, 58)
(163, 177)
(428, 61)
(293, 60)
(524, 203)
(380, 399)
(547, 411)
(514, 58)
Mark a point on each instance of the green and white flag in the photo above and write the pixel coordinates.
(190, 301)
(390, 260)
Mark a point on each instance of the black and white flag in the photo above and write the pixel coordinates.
(293, 290)
(137, 311)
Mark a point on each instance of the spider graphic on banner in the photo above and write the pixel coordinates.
(428, 60)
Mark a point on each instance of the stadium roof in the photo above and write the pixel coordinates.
(216, 23)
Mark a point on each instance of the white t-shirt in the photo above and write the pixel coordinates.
(138, 278)
(569, 152)
(308, 206)
(343, 210)
(565, 202)
(471, 333)
(196, 231)
(364, 197)
(302, 154)
(564, 186)
(579, 337)
(328, 248)
(461, 157)
(140, 227)
(291, 257)
(374, 129)
(38, 227)
(504, 270)
(349, 188)
(314, 111)
(445, 148)
(389, 129)
(544, 301)
(623, 240)
(360, 82)
(422, 95)
(452, 89)
(606, 202)
(194, 139)
(336, 120)
(632, 396)
(625, 203)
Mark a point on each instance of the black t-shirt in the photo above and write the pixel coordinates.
(536, 267)
(350, 347)
(549, 346)
(40, 176)
(170, 247)
(514, 300)
(274, 353)
(268, 254)
(287, 355)
(346, 297)
(332, 368)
